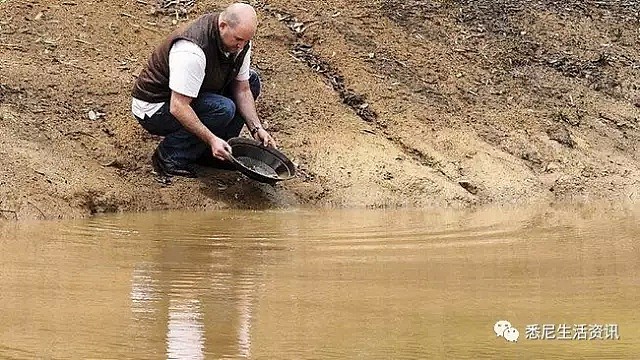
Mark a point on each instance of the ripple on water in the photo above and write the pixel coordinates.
(315, 284)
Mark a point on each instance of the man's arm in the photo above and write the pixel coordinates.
(187, 64)
(180, 108)
(247, 108)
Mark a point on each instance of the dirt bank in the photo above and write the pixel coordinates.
(381, 103)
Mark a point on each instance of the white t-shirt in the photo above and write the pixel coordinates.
(187, 64)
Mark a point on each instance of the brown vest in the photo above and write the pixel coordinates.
(152, 85)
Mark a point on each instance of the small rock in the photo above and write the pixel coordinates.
(468, 186)
(95, 115)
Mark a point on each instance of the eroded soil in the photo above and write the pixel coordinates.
(380, 103)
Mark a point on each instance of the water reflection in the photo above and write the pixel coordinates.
(244, 328)
(185, 334)
(144, 292)
(202, 281)
(185, 324)
(318, 284)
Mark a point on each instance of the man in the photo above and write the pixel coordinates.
(198, 91)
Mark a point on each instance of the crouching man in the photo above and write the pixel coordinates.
(197, 91)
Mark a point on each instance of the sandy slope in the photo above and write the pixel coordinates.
(381, 103)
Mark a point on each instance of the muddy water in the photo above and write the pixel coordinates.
(323, 285)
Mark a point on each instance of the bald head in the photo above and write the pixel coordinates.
(237, 24)
(240, 14)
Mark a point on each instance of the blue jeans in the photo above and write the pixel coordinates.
(216, 112)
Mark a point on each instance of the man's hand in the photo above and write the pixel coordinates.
(263, 136)
(245, 105)
(220, 149)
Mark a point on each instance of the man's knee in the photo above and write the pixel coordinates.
(254, 83)
(227, 108)
(213, 107)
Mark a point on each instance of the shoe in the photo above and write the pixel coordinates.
(166, 167)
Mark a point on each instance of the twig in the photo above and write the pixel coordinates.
(606, 117)
(149, 28)
(394, 60)
(114, 163)
(295, 58)
(37, 208)
(144, 27)
(70, 63)
(82, 41)
(110, 163)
